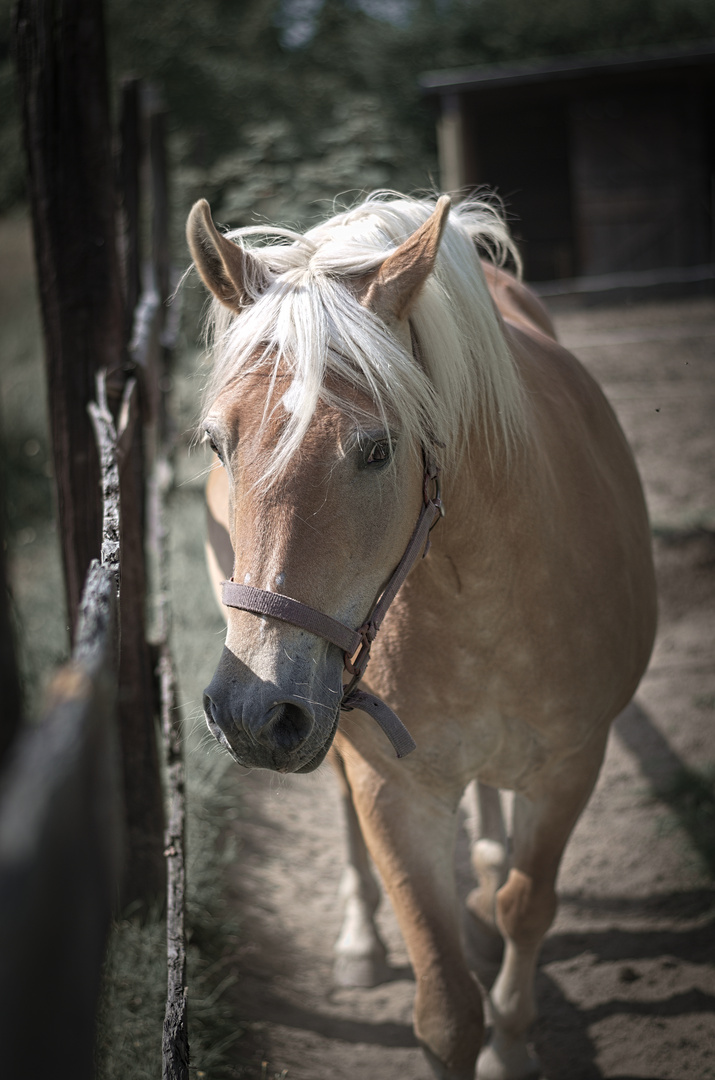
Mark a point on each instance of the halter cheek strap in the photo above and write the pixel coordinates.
(355, 644)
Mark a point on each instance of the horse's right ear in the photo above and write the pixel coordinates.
(225, 267)
(399, 279)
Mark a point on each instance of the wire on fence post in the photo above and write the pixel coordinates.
(112, 443)
(105, 434)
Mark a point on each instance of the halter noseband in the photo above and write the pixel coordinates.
(352, 642)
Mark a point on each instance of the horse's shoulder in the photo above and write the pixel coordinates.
(516, 302)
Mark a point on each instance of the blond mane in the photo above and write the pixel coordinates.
(304, 318)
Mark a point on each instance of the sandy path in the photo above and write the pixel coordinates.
(626, 985)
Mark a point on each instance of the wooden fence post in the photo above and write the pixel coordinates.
(131, 153)
(159, 197)
(63, 88)
(63, 83)
(145, 875)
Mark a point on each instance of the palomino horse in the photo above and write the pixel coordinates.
(354, 368)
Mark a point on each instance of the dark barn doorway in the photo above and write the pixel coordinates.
(606, 165)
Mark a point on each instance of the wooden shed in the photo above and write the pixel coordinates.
(606, 165)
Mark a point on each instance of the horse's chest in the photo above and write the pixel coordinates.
(482, 694)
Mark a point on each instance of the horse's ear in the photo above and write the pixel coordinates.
(397, 282)
(225, 267)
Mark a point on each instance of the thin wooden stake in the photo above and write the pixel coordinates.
(175, 1041)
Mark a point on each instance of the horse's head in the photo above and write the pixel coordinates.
(323, 519)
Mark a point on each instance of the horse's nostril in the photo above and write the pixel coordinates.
(211, 710)
(288, 726)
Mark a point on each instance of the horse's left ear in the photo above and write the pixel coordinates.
(399, 279)
(225, 268)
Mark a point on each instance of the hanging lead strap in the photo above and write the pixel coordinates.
(389, 721)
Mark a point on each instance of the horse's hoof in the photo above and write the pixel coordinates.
(507, 1059)
(362, 971)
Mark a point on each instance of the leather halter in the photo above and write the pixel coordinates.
(352, 642)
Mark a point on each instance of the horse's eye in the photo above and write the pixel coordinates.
(380, 453)
(214, 447)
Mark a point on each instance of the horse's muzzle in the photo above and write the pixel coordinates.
(264, 729)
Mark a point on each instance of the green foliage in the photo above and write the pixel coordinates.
(274, 177)
(218, 63)
(464, 32)
(267, 132)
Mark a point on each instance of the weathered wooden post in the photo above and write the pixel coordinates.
(131, 153)
(63, 88)
(63, 84)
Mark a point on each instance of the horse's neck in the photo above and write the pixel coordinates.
(497, 490)
(483, 498)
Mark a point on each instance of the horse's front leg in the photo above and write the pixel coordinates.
(410, 833)
(360, 956)
(526, 905)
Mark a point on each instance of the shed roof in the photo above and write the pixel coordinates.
(569, 68)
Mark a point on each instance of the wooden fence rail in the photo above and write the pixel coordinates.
(60, 850)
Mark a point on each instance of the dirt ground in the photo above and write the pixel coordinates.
(626, 984)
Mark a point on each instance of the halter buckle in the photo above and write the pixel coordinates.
(433, 472)
(357, 667)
